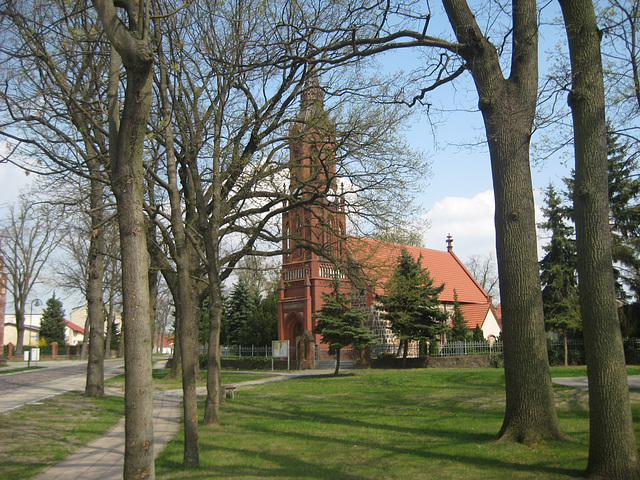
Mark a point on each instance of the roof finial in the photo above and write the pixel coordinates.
(449, 243)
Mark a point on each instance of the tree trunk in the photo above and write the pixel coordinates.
(405, 352)
(508, 109)
(612, 444)
(337, 370)
(566, 350)
(127, 183)
(128, 189)
(212, 406)
(84, 352)
(20, 328)
(95, 272)
(187, 307)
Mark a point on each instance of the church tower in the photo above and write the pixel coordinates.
(313, 232)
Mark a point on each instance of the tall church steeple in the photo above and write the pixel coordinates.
(314, 232)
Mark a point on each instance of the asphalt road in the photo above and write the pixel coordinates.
(21, 388)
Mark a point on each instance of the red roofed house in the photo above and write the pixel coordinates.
(316, 232)
(73, 333)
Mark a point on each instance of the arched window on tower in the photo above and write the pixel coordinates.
(286, 242)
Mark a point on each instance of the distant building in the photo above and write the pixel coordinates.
(31, 329)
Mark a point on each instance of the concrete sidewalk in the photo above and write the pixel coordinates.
(103, 459)
(583, 383)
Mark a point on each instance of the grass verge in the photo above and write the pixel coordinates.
(381, 424)
(38, 435)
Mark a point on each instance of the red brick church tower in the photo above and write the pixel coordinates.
(314, 231)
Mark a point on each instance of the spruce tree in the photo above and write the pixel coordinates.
(624, 214)
(341, 325)
(52, 323)
(459, 326)
(411, 303)
(240, 311)
(559, 270)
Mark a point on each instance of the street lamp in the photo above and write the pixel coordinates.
(37, 302)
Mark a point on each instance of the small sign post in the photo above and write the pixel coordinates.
(280, 349)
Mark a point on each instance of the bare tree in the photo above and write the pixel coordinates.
(484, 270)
(129, 36)
(233, 98)
(28, 237)
(54, 114)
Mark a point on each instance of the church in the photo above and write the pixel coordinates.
(317, 248)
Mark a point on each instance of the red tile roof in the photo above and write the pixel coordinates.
(74, 327)
(378, 259)
(474, 314)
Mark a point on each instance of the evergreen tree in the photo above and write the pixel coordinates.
(52, 324)
(478, 335)
(341, 325)
(411, 303)
(624, 214)
(559, 270)
(459, 326)
(265, 324)
(240, 310)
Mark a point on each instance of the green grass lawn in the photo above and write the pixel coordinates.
(377, 424)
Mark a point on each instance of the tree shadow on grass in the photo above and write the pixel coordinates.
(429, 444)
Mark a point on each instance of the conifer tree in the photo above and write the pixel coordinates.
(52, 324)
(624, 214)
(411, 303)
(240, 311)
(341, 325)
(459, 326)
(559, 271)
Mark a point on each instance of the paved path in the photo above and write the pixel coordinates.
(23, 388)
(583, 384)
(103, 459)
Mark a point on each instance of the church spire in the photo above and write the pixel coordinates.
(312, 95)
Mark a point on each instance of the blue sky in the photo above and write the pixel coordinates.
(458, 198)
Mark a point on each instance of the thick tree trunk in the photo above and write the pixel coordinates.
(508, 109)
(95, 271)
(337, 370)
(127, 184)
(612, 444)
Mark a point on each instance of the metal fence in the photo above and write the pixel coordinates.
(458, 349)
(450, 349)
(238, 351)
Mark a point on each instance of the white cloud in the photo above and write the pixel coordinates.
(468, 220)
